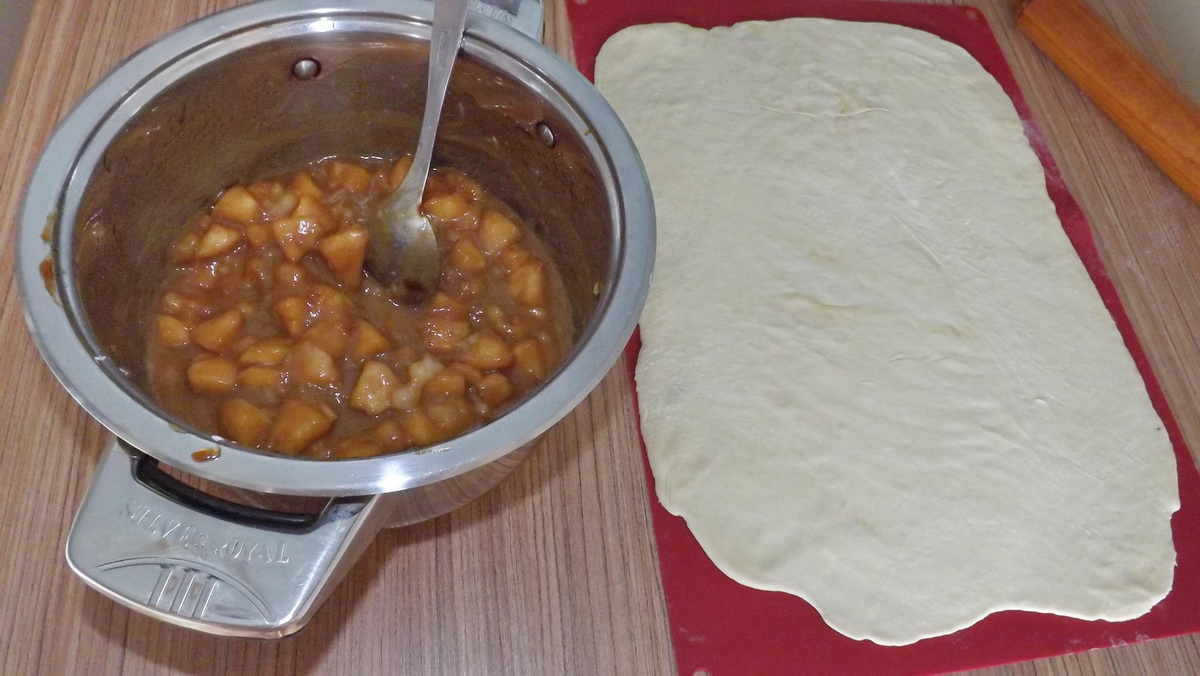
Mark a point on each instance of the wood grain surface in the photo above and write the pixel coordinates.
(554, 572)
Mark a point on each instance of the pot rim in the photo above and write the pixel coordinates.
(56, 188)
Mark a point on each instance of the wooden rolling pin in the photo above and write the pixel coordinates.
(1149, 108)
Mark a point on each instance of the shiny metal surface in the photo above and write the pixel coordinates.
(403, 250)
(216, 103)
(261, 89)
(523, 15)
(147, 551)
(203, 572)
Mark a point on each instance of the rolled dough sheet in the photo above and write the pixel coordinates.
(874, 373)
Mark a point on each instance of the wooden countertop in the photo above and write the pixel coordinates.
(553, 572)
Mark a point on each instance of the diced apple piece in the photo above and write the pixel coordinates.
(276, 200)
(514, 257)
(442, 303)
(407, 396)
(184, 250)
(444, 334)
(244, 422)
(296, 236)
(304, 185)
(373, 392)
(527, 284)
(212, 376)
(494, 389)
(217, 240)
(527, 359)
(446, 384)
(467, 257)
(487, 352)
(258, 235)
(345, 252)
(183, 306)
(497, 232)
(326, 302)
(292, 312)
(350, 176)
(421, 429)
(237, 204)
(258, 273)
(268, 351)
(361, 445)
(391, 436)
(342, 214)
(299, 423)
(497, 319)
(465, 186)
(308, 363)
(421, 371)
(260, 377)
(197, 279)
(452, 416)
(240, 344)
(449, 206)
(284, 206)
(265, 191)
(473, 288)
(170, 331)
(215, 333)
(310, 209)
(290, 276)
(331, 335)
(472, 374)
(368, 341)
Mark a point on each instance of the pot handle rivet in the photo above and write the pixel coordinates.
(306, 69)
(545, 134)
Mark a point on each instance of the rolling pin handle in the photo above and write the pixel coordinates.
(1148, 107)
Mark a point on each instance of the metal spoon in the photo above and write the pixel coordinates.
(403, 251)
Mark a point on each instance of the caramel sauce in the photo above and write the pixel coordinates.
(206, 454)
(46, 268)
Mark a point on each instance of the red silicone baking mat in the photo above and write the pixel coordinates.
(720, 627)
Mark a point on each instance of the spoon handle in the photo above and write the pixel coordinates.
(449, 18)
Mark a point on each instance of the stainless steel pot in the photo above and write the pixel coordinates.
(251, 91)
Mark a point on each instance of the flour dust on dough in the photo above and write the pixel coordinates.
(874, 373)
